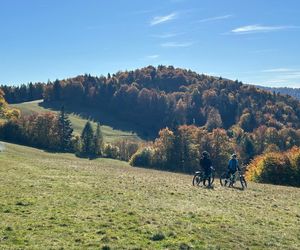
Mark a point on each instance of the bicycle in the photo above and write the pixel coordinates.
(200, 179)
(232, 179)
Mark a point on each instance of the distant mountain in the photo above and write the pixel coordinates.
(294, 92)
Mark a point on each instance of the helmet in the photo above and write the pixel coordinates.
(233, 155)
(205, 154)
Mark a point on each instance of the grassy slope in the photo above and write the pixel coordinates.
(59, 201)
(78, 123)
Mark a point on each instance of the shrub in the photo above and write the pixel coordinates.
(277, 169)
(127, 148)
(142, 157)
(111, 151)
(282, 168)
(158, 236)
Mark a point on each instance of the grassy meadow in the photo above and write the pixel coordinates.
(78, 122)
(58, 201)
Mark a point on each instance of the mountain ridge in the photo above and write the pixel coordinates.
(294, 92)
(156, 97)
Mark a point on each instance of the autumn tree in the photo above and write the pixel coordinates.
(5, 111)
(220, 149)
(214, 119)
(247, 121)
(164, 146)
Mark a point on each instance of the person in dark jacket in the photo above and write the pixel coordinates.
(206, 166)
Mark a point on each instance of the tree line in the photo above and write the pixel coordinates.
(54, 132)
(24, 92)
(180, 149)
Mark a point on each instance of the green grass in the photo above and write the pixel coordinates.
(58, 201)
(78, 122)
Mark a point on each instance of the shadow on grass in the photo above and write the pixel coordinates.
(105, 118)
(239, 188)
(236, 188)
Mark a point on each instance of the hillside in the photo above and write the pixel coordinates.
(59, 201)
(154, 98)
(78, 122)
(294, 92)
(180, 112)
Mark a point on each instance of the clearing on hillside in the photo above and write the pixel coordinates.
(78, 122)
(59, 201)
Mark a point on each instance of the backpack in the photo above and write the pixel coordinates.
(233, 164)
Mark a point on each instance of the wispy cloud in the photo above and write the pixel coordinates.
(167, 35)
(177, 44)
(248, 29)
(152, 56)
(215, 18)
(279, 70)
(283, 76)
(162, 19)
(280, 82)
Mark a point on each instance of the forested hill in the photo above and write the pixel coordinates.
(153, 98)
(295, 92)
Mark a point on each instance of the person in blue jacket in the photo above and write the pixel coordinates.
(233, 166)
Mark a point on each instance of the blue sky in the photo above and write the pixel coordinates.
(254, 41)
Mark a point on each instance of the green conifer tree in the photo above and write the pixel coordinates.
(98, 141)
(65, 130)
(87, 140)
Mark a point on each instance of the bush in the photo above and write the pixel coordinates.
(158, 236)
(12, 131)
(126, 148)
(277, 169)
(281, 168)
(142, 158)
(111, 151)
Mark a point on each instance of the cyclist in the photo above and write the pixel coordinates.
(233, 166)
(206, 165)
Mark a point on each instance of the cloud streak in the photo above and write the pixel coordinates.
(289, 77)
(256, 28)
(162, 19)
(279, 70)
(167, 35)
(152, 56)
(176, 44)
(215, 18)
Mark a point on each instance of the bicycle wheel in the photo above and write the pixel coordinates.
(243, 182)
(197, 179)
(224, 180)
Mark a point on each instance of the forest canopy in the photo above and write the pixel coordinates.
(165, 96)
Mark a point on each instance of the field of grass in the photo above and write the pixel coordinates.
(58, 201)
(78, 122)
